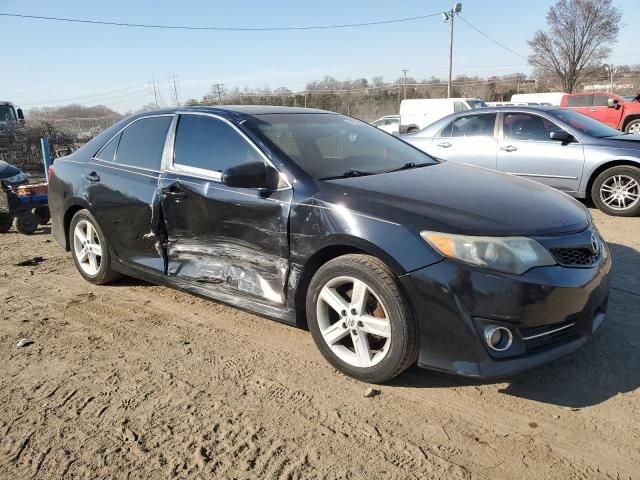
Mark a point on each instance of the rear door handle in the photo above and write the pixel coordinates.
(444, 144)
(92, 177)
(174, 194)
(509, 148)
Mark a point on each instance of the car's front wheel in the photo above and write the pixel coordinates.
(633, 126)
(90, 249)
(360, 319)
(616, 191)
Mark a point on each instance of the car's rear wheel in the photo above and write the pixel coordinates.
(360, 319)
(633, 126)
(6, 220)
(42, 214)
(90, 249)
(616, 191)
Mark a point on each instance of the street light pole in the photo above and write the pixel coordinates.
(404, 83)
(448, 17)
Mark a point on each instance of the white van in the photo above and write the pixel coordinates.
(417, 113)
(547, 98)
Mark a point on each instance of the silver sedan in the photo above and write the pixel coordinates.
(560, 148)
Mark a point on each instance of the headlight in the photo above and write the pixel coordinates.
(505, 254)
(17, 178)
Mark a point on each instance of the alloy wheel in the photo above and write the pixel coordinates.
(635, 128)
(353, 322)
(87, 248)
(620, 192)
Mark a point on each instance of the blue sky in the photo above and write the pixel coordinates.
(48, 63)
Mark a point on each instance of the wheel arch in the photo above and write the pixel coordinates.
(338, 248)
(70, 211)
(628, 119)
(605, 166)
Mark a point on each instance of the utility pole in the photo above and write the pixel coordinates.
(155, 92)
(175, 90)
(218, 87)
(448, 17)
(404, 75)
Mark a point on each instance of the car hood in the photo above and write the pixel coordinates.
(457, 198)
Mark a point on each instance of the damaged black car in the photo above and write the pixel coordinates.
(389, 256)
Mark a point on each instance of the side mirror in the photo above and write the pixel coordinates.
(251, 175)
(560, 136)
(20, 115)
(613, 103)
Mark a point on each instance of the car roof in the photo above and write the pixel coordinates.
(237, 110)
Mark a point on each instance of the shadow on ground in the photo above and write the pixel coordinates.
(607, 365)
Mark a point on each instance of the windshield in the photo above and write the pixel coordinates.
(332, 146)
(7, 114)
(476, 104)
(586, 125)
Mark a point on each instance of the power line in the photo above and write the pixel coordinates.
(489, 38)
(93, 97)
(221, 29)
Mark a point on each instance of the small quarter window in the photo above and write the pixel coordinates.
(108, 152)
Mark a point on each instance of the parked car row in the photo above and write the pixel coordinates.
(389, 255)
(557, 147)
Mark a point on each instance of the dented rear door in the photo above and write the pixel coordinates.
(233, 240)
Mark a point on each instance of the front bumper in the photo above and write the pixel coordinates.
(551, 311)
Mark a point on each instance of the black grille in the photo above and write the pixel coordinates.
(575, 257)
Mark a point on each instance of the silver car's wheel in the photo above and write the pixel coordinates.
(616, 191)
(87, 248)
(620, 192)
(353, 321)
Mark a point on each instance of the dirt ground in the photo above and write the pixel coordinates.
(140, 381)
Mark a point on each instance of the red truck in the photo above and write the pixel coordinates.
(608, 108)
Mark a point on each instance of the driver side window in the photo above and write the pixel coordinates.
(526, 126)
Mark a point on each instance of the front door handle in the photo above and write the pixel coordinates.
(509, 148)
(92, 177)
(174, 194)
(444, 144)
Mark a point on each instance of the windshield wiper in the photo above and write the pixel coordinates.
(409, 166)
(350, 173)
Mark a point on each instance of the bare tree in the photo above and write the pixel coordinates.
(579, 37)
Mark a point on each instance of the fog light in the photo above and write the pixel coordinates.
(498, 338)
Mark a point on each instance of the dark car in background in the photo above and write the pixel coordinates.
(390, 256)
(558, 147)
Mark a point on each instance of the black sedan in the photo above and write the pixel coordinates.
(313, 218)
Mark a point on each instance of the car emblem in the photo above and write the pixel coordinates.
(595, 243)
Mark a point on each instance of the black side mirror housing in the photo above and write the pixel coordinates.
(560, 136)
(20, 115)
(252, 175)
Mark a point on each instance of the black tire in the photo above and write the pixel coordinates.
(625, 170)
(26, 223)
(6, 220)
(633, 125)
(42, 214)
(105, 273)
(404, 339)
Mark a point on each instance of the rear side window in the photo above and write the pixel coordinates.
(459, 107)
(579, 101)
(108, 152)
(207, 143)
(142, 143)
(471, 126)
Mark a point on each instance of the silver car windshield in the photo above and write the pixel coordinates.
(586, 125)
(7, 114)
